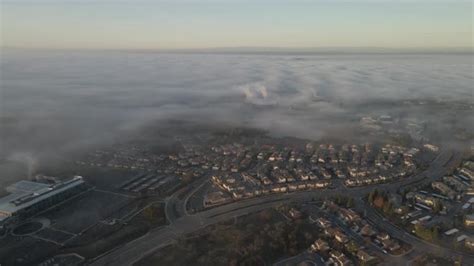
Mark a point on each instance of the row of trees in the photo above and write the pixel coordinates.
(344, 201)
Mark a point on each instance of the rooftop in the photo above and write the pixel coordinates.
(27, 193)
(25, 186)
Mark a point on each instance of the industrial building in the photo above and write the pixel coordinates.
(28, 198)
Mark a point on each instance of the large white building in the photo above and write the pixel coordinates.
(27, 198)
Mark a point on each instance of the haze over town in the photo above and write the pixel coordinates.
(189, 133)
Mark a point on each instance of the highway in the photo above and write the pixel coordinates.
(182, 223)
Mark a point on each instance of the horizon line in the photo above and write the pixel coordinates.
(261, 49)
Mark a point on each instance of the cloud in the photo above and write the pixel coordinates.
(57, 102)
(257, 93)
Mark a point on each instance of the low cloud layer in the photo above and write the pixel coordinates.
(53, 102)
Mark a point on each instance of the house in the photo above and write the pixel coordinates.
(322, 184)
(349, 215)
(383, 236)
(469, 243)
(444, 189)
(470, 191)
(431, 147)
(292, 187)
(350, 182)
(367, 230)
(426, 200)
(295, 214)
(320, 245)
(323, 223)
(281, 179)
(390, 244)
(340, 237)
(364, 256)
(266, 181)
(340, 258)
(467, 172)
(469, 220)
(330, 231)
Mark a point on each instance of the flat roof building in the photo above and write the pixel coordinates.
(27, 198)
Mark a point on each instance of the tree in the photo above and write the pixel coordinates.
(387, 207)
(429, 234)
(372, 195)
(379, 202)
(434, 233)
(385, 197)
(187, 178)
(265, 216)
(350, 203)
(150, 213)
(352, 247)
(438, 207)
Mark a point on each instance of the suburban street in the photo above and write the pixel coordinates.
(182, 223)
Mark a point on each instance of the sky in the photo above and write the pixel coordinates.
(191, 24)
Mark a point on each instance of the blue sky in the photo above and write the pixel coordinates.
(107, 24)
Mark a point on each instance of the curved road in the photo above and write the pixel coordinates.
(182, 223)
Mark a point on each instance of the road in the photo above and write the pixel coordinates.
(182, 223)
(419, 246)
